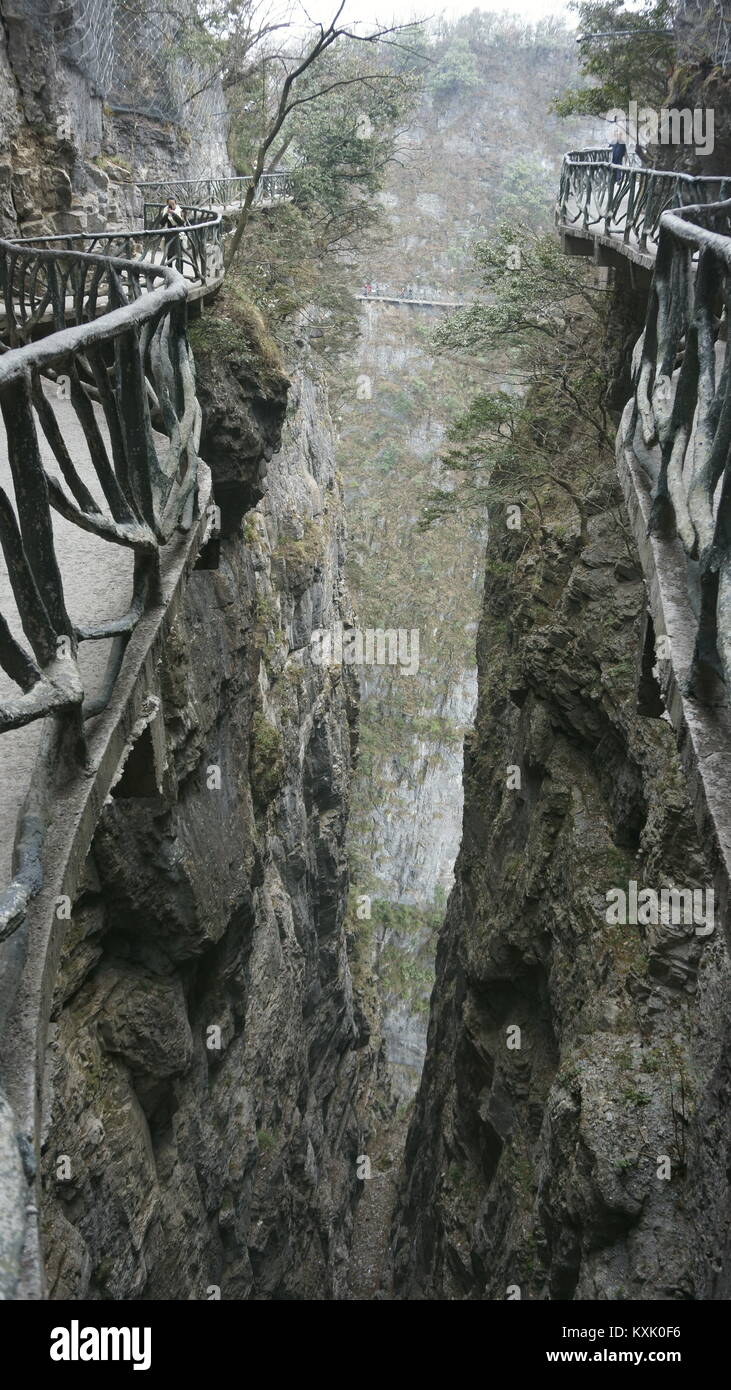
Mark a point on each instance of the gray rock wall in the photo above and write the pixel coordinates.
(68, 162)
(591, 1160)
(207, 1063)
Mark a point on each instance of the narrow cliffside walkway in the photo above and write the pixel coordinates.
(618, 237)
(97, 580)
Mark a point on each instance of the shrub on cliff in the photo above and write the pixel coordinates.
(266, 760)
(553, 435)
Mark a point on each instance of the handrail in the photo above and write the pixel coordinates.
(682, 404)
(221, 192)
(121, 360)
(196, 250)
(627, 201)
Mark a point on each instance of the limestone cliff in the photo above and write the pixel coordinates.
(535, 1163)
(206, 1062)
(68, 160)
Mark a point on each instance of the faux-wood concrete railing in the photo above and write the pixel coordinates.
(674, 449)
(119, 356)
(101, 430)
(626, 202)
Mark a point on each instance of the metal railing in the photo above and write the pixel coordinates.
(120, 359)
(627, 201)
(223, 192)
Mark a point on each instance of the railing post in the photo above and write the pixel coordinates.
(610, 185)
(32, 502)
(630, 205)
(642, 231)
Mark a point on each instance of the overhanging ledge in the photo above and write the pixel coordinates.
(606, 249)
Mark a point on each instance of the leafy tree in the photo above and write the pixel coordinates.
(340, 149)
(634, 65)
(527, 191)
(296, 257)
(456, 71)
(301, 77)
(555, 434)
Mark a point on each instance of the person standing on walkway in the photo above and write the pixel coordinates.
(618, 155)
(172, 218)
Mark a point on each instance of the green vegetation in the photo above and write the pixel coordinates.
(406, 938)
(303, 550)
(266, 1141)
(513, 454)
(634, 1097)
(393, 949)
(636, 65)
(325, 101)
(456, 71)
(236, 328)
(109, 163)
(266, 760)
(328, 102)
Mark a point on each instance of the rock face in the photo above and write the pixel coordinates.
(207, 1062)
(571, 1134)
(243, 394)
(68, 161)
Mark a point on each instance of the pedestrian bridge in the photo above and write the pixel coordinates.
(222, 195)
(105, 507)
(674, 445)
(412, 300)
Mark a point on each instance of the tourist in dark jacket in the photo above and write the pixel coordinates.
(618, 155)
(172, 217)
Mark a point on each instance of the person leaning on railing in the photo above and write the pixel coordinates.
(172, 217)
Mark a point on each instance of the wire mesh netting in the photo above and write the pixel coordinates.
(703, 29)
(137, 57)
(86, 37)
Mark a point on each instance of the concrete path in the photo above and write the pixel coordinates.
(97, 579)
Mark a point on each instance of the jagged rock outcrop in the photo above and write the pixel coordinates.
(207, 1062)
(585, 1156)
(243, 392)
